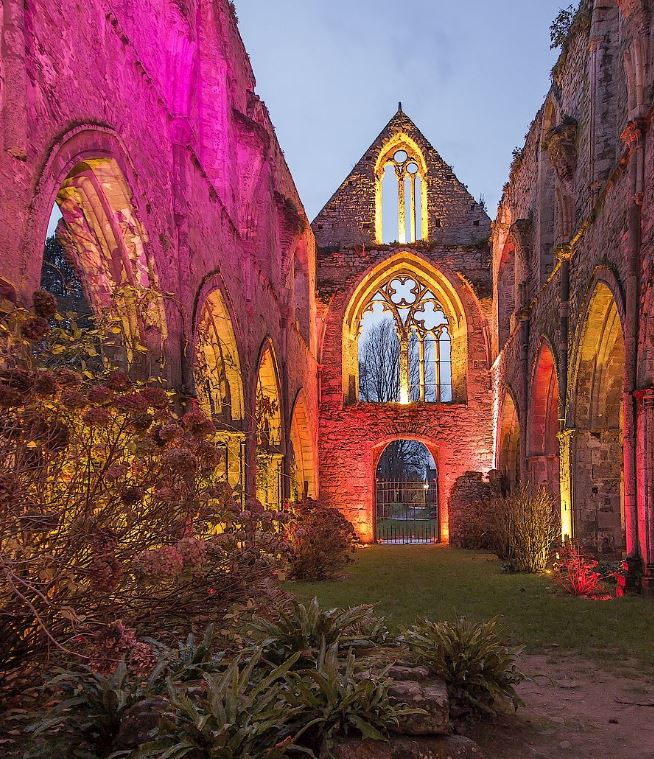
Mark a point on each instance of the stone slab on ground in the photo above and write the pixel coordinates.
(428, 695)
(402, 747)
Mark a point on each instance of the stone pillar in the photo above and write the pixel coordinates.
(565, 483)
(523, 315)
(633, 138)
(12, 48)
(645, 474)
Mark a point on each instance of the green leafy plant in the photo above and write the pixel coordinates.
(240, 716)
(336, 702)
(86, 710)
(305, 630)
(478, 668)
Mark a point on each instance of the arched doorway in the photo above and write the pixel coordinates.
(598, 504)
(406, 494)
(508, 444)
(543, 423)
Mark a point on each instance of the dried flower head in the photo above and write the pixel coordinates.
(35, 329)
(45, 304)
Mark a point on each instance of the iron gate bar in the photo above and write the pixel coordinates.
(406, 512)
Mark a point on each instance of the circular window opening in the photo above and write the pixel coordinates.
(400, 156)
(412, 168)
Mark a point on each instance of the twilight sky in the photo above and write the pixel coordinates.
(470, 73)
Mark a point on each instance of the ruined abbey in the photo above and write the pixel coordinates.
(524, 346)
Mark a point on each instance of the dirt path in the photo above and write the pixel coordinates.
(574, 709)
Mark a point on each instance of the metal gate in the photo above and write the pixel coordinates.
(406, 511)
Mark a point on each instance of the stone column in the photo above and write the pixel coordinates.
(633, 138)
(565, 483)
(12, 48)
(645, 475)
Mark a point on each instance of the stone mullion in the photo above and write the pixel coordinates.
(437, 369)
(412, 207)
(421, 365)
(404, 367)
(401, 205)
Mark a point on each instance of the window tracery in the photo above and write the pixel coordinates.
(423, 351)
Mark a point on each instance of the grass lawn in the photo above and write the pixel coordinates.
(442, 583)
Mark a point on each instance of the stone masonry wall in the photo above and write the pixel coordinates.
(166, 90)
(593, 131)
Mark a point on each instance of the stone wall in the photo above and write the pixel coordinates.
(353, 434)
(578, 212)
(165, 91)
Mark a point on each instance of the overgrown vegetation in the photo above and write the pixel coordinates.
(196, 700)
(568, 24)
(523, 529)
(307, 629)
(322, 542)
(479, 669)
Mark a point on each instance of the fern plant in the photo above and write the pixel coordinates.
(307, 629)
(241, 716)
(478, 668)
(86, 721)
(336, 702)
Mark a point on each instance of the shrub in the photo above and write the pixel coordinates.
(577, 575)
(113, 520)
(477, 667)
(523, 527)
(322, 541)
(306, 630)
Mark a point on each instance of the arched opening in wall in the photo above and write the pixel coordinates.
(270, 455)
(219, 386)
(401, 191)
(508, 448)
(598, 499)
(406, 494)
(95, 263)
(410, 341)
(543, 427)
(303, 481)
(506, 302)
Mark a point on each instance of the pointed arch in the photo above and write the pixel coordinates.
(269, 429)
(508, 443)
(302, 451)
(543, 424)
(103, 238)
(598, 502)
(217, 367)
(406, 265)
(407, 162)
